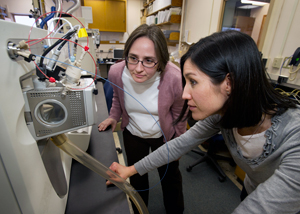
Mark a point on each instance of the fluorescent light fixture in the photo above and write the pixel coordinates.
(258, 3)
(248, 7)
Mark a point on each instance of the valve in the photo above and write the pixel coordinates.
(14, 51)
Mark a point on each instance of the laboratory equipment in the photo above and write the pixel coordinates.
(29, 183)
(34, 173)
(295, 59)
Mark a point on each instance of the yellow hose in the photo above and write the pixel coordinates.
(62, 142)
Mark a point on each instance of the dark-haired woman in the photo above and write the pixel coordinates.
(227, 90)
(156, 83)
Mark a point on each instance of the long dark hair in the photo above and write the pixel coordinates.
(236, 54)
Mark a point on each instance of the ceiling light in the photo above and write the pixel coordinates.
(248, 7)
(258, 3)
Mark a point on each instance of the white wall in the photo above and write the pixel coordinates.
(282, 37)
(17, 6)
(133, 14)
(201, 18)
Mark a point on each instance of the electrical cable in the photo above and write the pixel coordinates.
(54, 45)
(65, 41)
(293, 72)
(54, 33)
(293, 93)
(35, 23)
(283, 64)
(75, 47)
(62, 62)
(159, 128)
(138, 103)
(42, 57)
(39, 40)
(47, 18)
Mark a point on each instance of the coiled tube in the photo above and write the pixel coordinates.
(62, 142)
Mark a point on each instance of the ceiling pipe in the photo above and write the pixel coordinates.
(70, 10)
(57, 6)
(75, 6)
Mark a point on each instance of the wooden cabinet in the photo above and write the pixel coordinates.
(108, 15)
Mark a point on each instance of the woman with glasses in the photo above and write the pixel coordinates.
(227, 90)
(148, 76)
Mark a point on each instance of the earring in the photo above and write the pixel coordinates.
(227, 92)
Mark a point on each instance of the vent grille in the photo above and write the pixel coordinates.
(76, 108)
(45, 94)
(44, 132)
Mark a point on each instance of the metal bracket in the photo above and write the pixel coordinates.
(12, 50)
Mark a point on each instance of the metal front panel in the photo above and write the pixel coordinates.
(64, 111)
(28, 189)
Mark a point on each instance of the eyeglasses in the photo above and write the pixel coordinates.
(148, 63)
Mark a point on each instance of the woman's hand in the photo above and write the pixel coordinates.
(123, 171)
(108, 122)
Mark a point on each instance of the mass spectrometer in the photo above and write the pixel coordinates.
(34, 173)
(39, 104)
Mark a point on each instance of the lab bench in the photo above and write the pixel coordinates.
(88, 192)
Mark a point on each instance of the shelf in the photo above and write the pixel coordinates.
(111, 42)
(146, 5)
(164, 8)
(174, 19)
(174, 3)
(170, 43)
(174, 36)
(164, 23)
(186, 43)
(173, 39)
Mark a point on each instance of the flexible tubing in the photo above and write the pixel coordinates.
(62, 142)
(49, 31)
(45, 20)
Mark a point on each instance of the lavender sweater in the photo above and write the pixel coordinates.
(272, 180)
(170, 100)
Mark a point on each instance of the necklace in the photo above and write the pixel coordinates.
(255, 130)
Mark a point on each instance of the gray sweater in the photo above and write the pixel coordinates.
(272, 180)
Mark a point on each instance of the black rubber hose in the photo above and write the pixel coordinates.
(64, 42)
(54, 45)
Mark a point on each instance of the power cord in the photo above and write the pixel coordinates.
(294, 73)
(293, 94)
